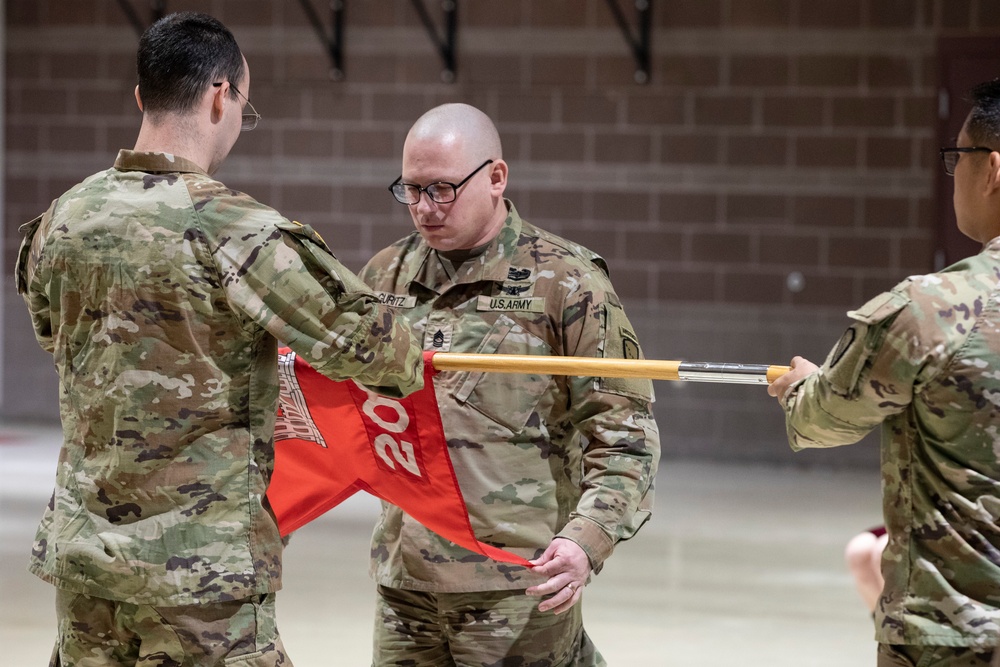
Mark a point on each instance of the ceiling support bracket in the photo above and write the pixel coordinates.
(638, 42)
(445, 43)
(333, 43)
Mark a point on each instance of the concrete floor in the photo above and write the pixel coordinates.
(739, 566)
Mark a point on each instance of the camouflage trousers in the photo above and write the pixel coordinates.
(94, 632)
(897, 655)
(483, 629)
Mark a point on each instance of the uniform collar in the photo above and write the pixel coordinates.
(433, 272)
(155, 162)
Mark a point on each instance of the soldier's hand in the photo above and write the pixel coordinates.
(567, 567)
(800, 368)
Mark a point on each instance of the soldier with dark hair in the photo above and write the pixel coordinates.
(555, 469)
(162, 295)
(923, 361)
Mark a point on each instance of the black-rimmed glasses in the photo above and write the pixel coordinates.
(441, 192)
(251, 119)
(950, 156)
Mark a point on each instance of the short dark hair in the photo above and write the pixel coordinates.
(984, 121)
(181, 54)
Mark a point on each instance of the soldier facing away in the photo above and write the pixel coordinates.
(161, 294)
(555, 469)
(923, 360)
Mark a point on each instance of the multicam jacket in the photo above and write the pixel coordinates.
(536, 456)
(161, 293)
(924, 361)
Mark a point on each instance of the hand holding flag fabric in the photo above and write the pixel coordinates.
(333, 439)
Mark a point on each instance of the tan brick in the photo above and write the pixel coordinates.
(74, 137)
(757, 209)
(793, 111)
(956, 14)
(601, 109)
(545, 203)
(621, 206)
(788, 250)
(694, 71)
(723, 110)
(560, 13)
(370, 144)
(760, 13)
(524, 108)
(864, 112)
(621, 147)
(828, 70)
(558, 70)
(813, 151)
(721, 247)
(690, 149)
(631, 282)
(676, 284)
(826, 14)
(307, 143)
(823, 211)
(859, 252)
(755, 70)
(701, 14)
(826, 290)
(655, 246)
(743, 286)
(681, 207)
(239, 13)
(892, 14)
(887, 212)
(892, 72)
(666, 109)
(757, 150)
(889, 152)
(557, 146)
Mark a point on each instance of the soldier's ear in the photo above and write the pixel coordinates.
(993, 177)
(138, 99)
(498, 178)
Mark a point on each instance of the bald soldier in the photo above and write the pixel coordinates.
(162, 294)
(556, 469)
(923, 361)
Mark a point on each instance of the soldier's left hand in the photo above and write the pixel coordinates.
(800, 368)
(567, 567)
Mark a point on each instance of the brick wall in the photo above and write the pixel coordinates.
(774, 137)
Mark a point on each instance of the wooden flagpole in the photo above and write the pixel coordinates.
(617, 368)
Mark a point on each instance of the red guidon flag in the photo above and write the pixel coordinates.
(333, 439)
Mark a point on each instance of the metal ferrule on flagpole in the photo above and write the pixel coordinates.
(710, 371)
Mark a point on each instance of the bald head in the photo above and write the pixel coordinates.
(462, 130)
(456, 145)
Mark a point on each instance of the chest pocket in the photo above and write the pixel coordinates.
(509, 399)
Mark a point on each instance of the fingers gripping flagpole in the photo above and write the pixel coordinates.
(693, 371)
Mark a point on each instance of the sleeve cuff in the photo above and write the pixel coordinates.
(591, 538)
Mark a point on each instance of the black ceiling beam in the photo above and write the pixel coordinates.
(158, 10)
(639, 42)
(445, 43)
(333, 43)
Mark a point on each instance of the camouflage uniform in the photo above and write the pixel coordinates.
(161, 294)
(922, 360)
(536, 456)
